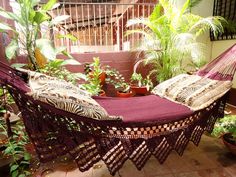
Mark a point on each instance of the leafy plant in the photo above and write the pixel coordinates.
(29, 17)
(225, 125)
(93, 77)
(5, 98)
(170, 38)
(116, 79)
(56, 68)
(15, 147)
(138, 79)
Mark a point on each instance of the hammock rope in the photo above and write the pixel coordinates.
(222, 68)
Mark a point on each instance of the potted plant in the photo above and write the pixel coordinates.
(118, 81)
(95, 78)
(123, 90)
(226, 128)
(140, 85)
(95, 70)
(170, 40)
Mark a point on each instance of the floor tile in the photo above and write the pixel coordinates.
(100, 170)
(153, 168)
(218, 172)
(129, 170)
(178, 164)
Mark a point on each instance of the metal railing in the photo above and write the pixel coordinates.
(99, 27)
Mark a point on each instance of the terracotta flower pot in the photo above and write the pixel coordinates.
(139, 90)
(229, 144)
(124, 95)
(102, 78)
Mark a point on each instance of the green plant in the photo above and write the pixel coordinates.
(138, 79)
(116, 79)
(5, 100)
(29, 17)
(56, 68)
(170, 38)
(93, 77)
(225, 125)
(15, 148)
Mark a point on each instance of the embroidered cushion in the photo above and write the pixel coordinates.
(193, 91)
(66, 96)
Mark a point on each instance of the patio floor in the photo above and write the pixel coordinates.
(210, 159)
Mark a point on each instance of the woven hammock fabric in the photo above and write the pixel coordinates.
(55, 132)
(223, 67)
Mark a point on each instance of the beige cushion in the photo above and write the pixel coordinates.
(193, 91)
(66, 96)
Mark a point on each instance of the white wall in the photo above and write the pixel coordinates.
(220, 46)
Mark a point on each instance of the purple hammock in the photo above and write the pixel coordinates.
(151, 125)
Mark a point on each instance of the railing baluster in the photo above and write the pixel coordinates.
(77, 27)
(104, 24)
(89, 37)
(65, 31)
(94, 25)
(112, 42)
(71, 31)
(83, 25)
(100, 24)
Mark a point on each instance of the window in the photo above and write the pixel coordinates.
(226, 9)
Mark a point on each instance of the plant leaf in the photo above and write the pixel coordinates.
(22, 175)
(40, 17)
(11, 49)
(27, 156)
(15, 173)
(35, 2)
(156, 13)
(13, 167)
(71, 62)
(4, 27)
(64, 52)
(46, 48)
(18, 65)
(5, 14)
(68, 36)
(58, 19)
(49, 5)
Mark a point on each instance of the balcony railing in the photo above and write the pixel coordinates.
(99, 26)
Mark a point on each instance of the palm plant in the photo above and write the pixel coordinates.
(170, 38)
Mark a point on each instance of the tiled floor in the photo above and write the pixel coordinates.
(210, 159)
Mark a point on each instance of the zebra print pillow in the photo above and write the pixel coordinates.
(66, 96)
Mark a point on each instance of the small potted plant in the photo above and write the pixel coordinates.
(140, 86)
(123, 90)
(95, 79)
(118, 80)
(95, 70)
(226, 128)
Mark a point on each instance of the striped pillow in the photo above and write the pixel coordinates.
(193, 91)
